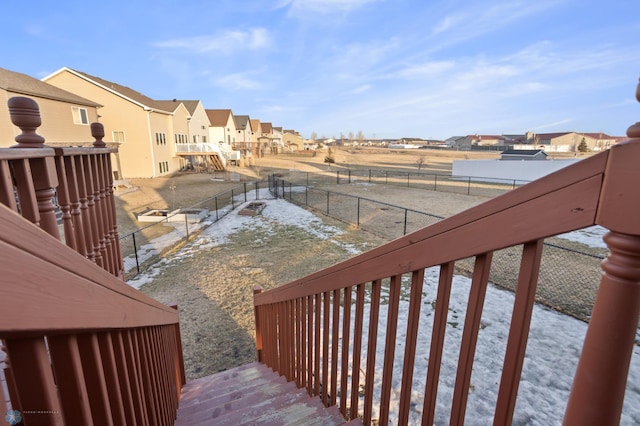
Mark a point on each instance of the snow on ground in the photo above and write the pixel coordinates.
(591, 236)
(553, 349)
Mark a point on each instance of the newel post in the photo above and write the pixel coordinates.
(599, 385)
(25, 114)
(257, 290)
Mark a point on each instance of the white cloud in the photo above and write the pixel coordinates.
(298, 7)
(238, 81)
(223, 42)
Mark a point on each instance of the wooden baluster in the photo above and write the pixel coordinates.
(74, 201)
(67, 366)
(64, 200)
(34, 381)
(98, 208)
(114, 221)
(7, 194)
(325, 347)
(257, 290)
(335, 333)
(390, 347)
(94, 375)
(344, 369)
(85, 214)
(92, 217)
(374, 313)
(25, 114)
(310, 376)
(357, 351)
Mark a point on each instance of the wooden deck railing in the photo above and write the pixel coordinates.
(36, 181)
(78, 346)
(299, 326)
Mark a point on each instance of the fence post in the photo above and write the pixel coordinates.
(435, 182)
(349, 176)
(233, 202)
(405, 222)
(358, 214)
(386, 177)
(369, 175)
(186, 222)
(307, 178)
(135, 252)
(257, 190)
(245, 191)
(514, 184)
(469, 185)
(337, 177)
(327, 203)
(408, 178)
(216, 203)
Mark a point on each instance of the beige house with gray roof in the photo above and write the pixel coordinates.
(142, 128)
(65, 115)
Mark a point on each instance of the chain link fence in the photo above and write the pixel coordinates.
(567, 281)
(145, 246)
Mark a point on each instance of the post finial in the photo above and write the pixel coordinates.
(634, 130)
(97, 131)
(25, 114)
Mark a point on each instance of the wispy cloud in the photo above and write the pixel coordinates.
(238, 81)
(224, 42)
(298, 7)
(480, 19)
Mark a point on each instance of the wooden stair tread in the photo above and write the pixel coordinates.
(251, 394)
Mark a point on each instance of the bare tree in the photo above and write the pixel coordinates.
(360, 137)
(421, 161)
(314, 136)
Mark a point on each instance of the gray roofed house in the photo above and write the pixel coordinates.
(524, 154)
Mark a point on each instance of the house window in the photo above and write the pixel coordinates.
(161, 138)
(118, 136)
(204, 139)
(164, 166)
(80, 115)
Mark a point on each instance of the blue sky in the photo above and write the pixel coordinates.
(388, 68)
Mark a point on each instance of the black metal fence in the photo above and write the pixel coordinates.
(469, 185)
(146, 245)
(567, 281)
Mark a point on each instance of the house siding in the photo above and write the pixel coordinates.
(138, 155)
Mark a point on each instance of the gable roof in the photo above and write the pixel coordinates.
(255, 124)
(524, 152)
(218, 117)
(266, 128)
(23, 84)
(242, 121)
(170, 106)
(117, 89)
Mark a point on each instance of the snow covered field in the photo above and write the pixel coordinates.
(553, 349)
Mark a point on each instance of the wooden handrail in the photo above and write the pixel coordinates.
(601, 190)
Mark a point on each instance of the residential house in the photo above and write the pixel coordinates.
(458, 142)
(569, 141)
(244, 133)
(222, 131)
(141, 127)
(66, 115)
(180, 122)
(523, 154)
(292, 141)
(265, 139)
(277, 136)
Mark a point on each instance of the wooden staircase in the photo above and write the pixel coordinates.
(216, 162)
(252, 394)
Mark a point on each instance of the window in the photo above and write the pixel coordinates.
(164, 166)
(161, 138)
(204, 139)
(118, 136)
(80, 115)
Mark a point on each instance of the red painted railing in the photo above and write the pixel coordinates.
(79, 346)
(300, 326)
(36, 181)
